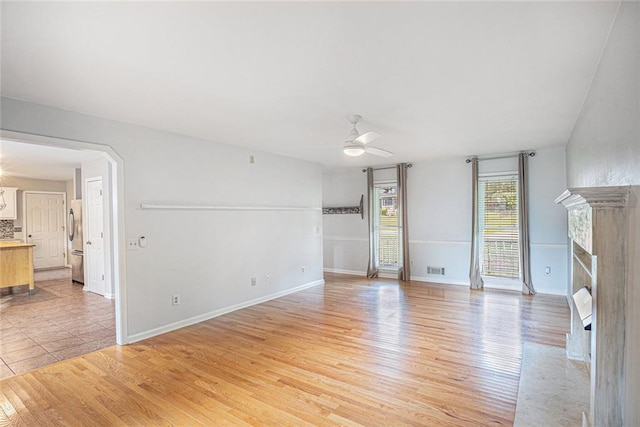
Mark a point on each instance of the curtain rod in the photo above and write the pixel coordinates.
(387, 167)
(503, 156)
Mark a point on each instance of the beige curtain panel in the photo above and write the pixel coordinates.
(523, 211)
(475, 274)
(404, 261)
(372, 268)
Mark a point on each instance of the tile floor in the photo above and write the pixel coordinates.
(58, 322)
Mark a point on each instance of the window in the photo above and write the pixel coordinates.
(386, 225)
(498, 226)
(387, 201)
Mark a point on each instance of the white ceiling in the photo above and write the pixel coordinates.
(41, 162)
(434, 78)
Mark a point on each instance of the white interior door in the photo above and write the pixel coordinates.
(45, 226)
(94, 238)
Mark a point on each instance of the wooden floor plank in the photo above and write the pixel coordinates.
(352, 352)
(8, 414)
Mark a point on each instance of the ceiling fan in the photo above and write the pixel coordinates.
(357, 145)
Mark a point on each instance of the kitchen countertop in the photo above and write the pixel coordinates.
(8, 244)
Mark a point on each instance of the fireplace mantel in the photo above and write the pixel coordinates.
(596, 197)
(597, 227)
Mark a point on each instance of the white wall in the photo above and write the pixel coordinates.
(548, 221)
(29, 184)
(100, 168)
(69, 190)
(346, 241)
(439, 193)
(207, 257)
(604, 150)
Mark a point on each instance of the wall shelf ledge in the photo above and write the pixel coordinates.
(346, 210)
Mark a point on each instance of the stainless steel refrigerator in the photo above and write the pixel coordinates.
(75, 237)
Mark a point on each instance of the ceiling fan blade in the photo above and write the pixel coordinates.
(377, 151)
(367, 137)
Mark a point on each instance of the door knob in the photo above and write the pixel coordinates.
(29, 236)
(88, 242)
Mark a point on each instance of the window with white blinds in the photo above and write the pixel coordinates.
(498, 225)
(386, 228)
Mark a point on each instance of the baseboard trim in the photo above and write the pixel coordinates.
(439, 280)
(59, 267)
(212, 314)
(339, 271)
(434, 279)
(388, 274)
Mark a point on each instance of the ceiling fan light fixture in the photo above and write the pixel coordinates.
(353, 150)
(357, 144)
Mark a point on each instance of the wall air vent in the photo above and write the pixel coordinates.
(435, 270)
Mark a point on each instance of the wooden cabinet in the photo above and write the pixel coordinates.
(11, 211)
(16, 264)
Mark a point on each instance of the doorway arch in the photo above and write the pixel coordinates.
(116, 213)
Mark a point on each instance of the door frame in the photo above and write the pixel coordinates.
(85, 226)
(25, 231)
(116, 214)
(384, 271)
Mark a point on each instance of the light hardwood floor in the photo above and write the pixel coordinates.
(351, 352)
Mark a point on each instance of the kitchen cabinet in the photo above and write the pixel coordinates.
(16, 264)
(11, 211)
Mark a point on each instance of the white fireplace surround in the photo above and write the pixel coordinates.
(598, 231)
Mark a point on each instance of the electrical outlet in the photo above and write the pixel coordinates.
(303, 268)
(132, 244)
(253, 281)
(175, 299)
(547, 270)
(267, 278)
